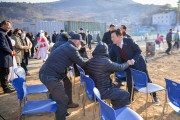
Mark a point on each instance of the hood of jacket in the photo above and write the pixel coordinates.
(100, 50)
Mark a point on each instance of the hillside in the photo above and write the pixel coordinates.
(109, 11)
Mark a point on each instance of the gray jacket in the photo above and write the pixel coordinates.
(100, 67)
(60, 59)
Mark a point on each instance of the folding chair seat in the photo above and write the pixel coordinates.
(38, 106)
(20, 72)
(173, 93)
(108, 113)
(140, 82)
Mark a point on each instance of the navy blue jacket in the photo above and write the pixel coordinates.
(107, 38)
(60, 59)
(89, 37)
(133, 52)
(6, 58)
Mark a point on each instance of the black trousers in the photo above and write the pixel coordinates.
(25, 61)
(119, 97)
(57, 91)
(169, 47)
(32, 51)
(4, 77)
(176, 44)
(89, 45)
(68, 88)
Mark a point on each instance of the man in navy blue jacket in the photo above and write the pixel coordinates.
(6, 52)
(125, 49)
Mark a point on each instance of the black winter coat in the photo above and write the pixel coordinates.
(100, 67)
(60, 59)
(6, 58)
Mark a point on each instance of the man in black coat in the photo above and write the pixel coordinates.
(6, 55)
(123, 31)
(107, 37)
(54, 69)
(99, 68)
(125, 49)
(54, 37)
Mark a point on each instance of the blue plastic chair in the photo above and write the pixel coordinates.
(121, 76)
(81, 80)
(38, 106)
(108, 113)
(140, 82)
(89, 85)
(173, 93)
(20, 72)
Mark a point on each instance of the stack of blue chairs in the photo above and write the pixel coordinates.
(38, 106)
(20, 72)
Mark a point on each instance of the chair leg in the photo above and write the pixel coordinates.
(99, 112)
(164, 105)
(79, 90)
(84, 102)
(94, 108)
(2, 117)
(146, 105)
(74, 78)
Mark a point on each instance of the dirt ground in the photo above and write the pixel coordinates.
(160, 66)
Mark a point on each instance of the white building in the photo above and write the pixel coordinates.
(164, 19)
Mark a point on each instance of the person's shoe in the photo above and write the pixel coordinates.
(8, 90)
(121, 83)
(28, 74)
(73, 105)
(156, 100)
(68, 114)
(135, 89)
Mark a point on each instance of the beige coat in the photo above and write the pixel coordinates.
(19, 48)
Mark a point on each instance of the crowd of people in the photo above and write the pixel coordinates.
(115, 53)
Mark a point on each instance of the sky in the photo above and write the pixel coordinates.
(156, 2)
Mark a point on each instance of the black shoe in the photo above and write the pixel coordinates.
(8, 90)
(28, 74)
(156, 100)
(121, 83)
(135, 89)
(68, 114)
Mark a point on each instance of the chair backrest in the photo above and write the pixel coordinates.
(20, 85)
(107, 112)
(89, 86)
(121, 74)
(139, 78)
(20, 72)
(173, 90)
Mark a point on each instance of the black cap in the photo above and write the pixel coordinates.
(77, 37)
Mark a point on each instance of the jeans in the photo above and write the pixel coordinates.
(57, 91)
